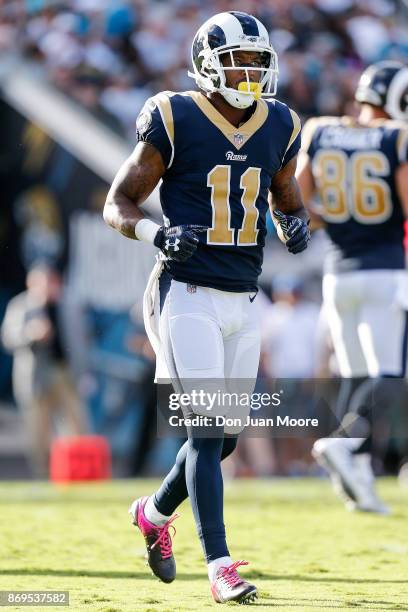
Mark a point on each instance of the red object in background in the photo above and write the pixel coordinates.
(77, 458)
(406, 237)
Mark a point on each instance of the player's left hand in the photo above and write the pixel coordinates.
(292, 231)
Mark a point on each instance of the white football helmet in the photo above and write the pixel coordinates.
(225, 33)
(385, 84)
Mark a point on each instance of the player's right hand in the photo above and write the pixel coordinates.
(179, 242)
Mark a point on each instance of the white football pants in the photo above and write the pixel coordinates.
(213, 337)
(366, 313)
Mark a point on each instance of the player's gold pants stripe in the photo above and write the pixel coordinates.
(237, 136)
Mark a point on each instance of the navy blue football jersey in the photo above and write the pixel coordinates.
(354, 171)
(218, 176)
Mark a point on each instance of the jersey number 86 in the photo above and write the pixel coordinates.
(353, 187)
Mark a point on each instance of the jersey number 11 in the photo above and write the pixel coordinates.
(219, 179)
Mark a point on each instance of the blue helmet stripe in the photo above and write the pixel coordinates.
(248, 23)
(216, 36)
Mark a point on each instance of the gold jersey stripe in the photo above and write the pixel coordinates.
(308, 133)
(402, 145)
(312, 124)
(296, 129)
(164, 105)
(237, 136)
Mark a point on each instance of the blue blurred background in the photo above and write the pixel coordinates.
(73, 77)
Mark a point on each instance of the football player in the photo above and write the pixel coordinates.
(220, 151)
(359, 168)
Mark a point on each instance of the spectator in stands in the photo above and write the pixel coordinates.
(41, 381)
(289, 332)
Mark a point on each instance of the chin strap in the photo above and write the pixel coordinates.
(236, 98)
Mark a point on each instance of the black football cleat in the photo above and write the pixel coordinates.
(158, 542)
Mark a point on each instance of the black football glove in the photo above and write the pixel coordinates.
(293, 231)
(178, 243)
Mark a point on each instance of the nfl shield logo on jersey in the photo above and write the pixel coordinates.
(238, 139)
(144, 120)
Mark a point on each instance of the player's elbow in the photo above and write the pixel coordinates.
(109, 207)
(108, 212)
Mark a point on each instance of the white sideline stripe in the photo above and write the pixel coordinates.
(94, 144)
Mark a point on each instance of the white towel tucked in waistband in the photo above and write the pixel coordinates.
(151, 318)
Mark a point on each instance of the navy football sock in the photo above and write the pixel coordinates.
(206, 491)
(173, 490)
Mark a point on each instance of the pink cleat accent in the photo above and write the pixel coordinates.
(158, 541)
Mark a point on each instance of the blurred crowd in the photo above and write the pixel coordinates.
(110, 55)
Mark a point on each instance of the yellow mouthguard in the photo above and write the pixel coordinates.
(254, 88)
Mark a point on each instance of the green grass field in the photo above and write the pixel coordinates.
(306, 552)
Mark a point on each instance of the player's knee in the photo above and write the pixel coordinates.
(206, 446)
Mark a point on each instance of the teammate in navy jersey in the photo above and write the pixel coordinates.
(221, 153)
(359, 168)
